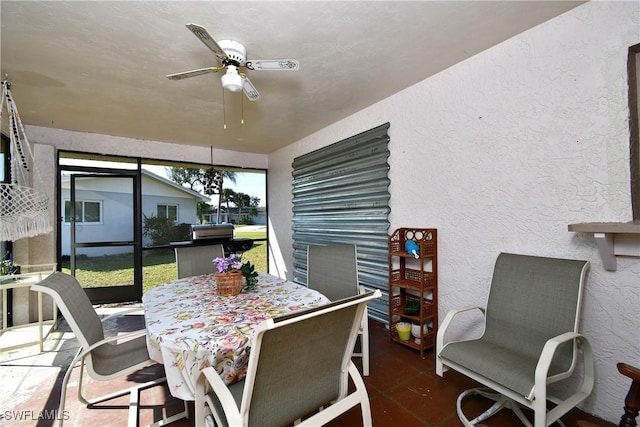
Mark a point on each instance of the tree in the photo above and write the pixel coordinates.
(201, 209)
(231, 176)
(195, 180)
(243, 201)
(226, 196)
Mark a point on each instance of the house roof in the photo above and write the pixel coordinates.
(188, 192)
(177, 186)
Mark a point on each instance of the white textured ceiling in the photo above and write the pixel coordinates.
(101, 66)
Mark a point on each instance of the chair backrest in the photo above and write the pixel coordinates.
(333, 270)
(74, 305)
(197, 260)
(533, 299)
(298, 362)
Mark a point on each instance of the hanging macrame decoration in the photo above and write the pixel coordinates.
(24, 211)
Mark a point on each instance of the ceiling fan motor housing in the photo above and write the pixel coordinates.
(234, 50)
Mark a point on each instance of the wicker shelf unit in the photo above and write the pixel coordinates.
(413, 286)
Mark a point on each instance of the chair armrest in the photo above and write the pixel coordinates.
(544, 362)
(82, 352)
(124, 337)
(629, 371)
(447, 321)
(122, 313)
(224, 396)
(442, 330)
(549, 350)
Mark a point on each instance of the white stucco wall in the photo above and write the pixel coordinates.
(501, 153)
(113, 145)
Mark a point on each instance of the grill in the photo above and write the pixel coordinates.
(210, 234)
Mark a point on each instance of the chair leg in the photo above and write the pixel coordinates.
(134, 411)
(501, 402)
(63, 389)
(134, 393)
(365, 346)
(361, 389)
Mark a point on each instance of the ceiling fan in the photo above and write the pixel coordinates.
(232, 56)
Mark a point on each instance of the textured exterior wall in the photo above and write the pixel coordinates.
(501, 153)
(113, 145)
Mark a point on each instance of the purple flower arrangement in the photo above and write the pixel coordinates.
(234, 262)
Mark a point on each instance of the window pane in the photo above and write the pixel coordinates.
(172, 213)
(79, 213)
(162, 211)
(91, 211)
(67, 211)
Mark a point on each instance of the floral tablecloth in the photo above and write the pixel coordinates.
(191, 327)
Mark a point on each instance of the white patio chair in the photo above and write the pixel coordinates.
(333, 271)
(197, 260)
(104, 358)
(530, 340)
(298, 372)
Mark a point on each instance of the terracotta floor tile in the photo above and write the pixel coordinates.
(403, 390)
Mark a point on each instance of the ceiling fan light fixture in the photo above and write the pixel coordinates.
(232, 80)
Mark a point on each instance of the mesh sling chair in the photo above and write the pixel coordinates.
(333, 271)
(104, 358)
(299, 366)
(197, 260)
(530, 339)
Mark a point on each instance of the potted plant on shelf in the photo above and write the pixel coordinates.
(7, 266)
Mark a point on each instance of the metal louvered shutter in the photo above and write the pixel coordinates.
(341, 195)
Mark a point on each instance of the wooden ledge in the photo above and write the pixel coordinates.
(612, 238)
(607, 227)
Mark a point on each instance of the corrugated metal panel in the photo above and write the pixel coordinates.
(341, 195)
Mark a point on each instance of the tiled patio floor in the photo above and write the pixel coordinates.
(403, 389)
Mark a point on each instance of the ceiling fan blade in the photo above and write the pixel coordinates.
(205, 37)
(273, 64)
(249, 89)
(193, 73)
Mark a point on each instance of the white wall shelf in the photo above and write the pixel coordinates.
(613, 239)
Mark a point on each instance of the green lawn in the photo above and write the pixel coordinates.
(158, 265)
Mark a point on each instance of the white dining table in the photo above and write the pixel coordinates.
(190, 327)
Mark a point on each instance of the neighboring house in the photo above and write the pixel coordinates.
(103, 209)
(234, 217)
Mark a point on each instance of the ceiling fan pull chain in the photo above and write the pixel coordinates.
(241, 110)
(224, 113)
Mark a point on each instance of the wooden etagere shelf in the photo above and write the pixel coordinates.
(413, 286)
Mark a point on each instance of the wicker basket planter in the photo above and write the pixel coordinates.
(229, 283)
